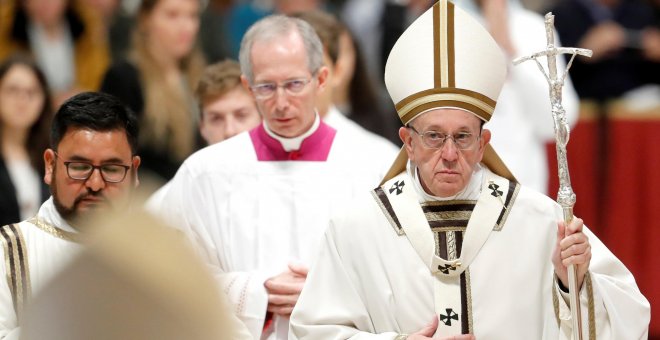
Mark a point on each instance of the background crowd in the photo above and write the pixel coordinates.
(152, 54)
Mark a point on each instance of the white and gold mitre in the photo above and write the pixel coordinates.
(446, 59)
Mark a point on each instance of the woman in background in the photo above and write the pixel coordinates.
(65, 38)
(156, 81)
(25, 115)
(356, 95)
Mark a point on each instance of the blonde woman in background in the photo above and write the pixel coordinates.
(226, 107)
(156, 81)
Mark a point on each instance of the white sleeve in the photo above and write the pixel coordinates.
(9, 329)
(330, 306)
(188, 205)
(610, 302)
(156, 199)
(247, 296)
(13, 334)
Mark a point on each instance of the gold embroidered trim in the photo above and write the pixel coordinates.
(451, 57)
(399, 231)
(447, 229)
(448, 215)
(590, 306)
(436, 239)
(451, 245)
(507, 210)
(443, 45)
(483, 109)
(444, 66)
(17, 268)
(437, 79)
(555, 300)
(444, 203)
(448, 90)
(468, 294)
(55, 231)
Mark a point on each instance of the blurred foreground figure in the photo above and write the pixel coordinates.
(114, 289)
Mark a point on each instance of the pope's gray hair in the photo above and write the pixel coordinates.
(275, 26)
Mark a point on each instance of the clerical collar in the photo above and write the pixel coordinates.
(293, 144)
(314, 147)
(470, 192)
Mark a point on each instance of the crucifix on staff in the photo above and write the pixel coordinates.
(566, 196)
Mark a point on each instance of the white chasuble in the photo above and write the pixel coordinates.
(393, 262)
(447, 235)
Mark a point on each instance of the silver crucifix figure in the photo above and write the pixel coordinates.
(566, 196)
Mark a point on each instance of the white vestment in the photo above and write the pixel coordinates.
(251, 218)
(49, 245)
(365, 141)
(480, 266)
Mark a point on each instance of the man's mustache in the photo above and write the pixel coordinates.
(95, 194)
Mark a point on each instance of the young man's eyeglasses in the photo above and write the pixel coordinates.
(436, 140)
(292, 87)
(82, 171)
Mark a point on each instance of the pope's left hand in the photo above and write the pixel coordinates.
(572, 247)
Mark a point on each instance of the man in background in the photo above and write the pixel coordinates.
(256, 205)
(227, 109)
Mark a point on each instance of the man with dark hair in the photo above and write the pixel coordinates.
(91, 166)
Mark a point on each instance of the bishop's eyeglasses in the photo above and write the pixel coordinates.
(436, 140)
(292, 87)
(82, 171)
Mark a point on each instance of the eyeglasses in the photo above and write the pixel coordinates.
(292, 87)
(436, 140)
(82, 171)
